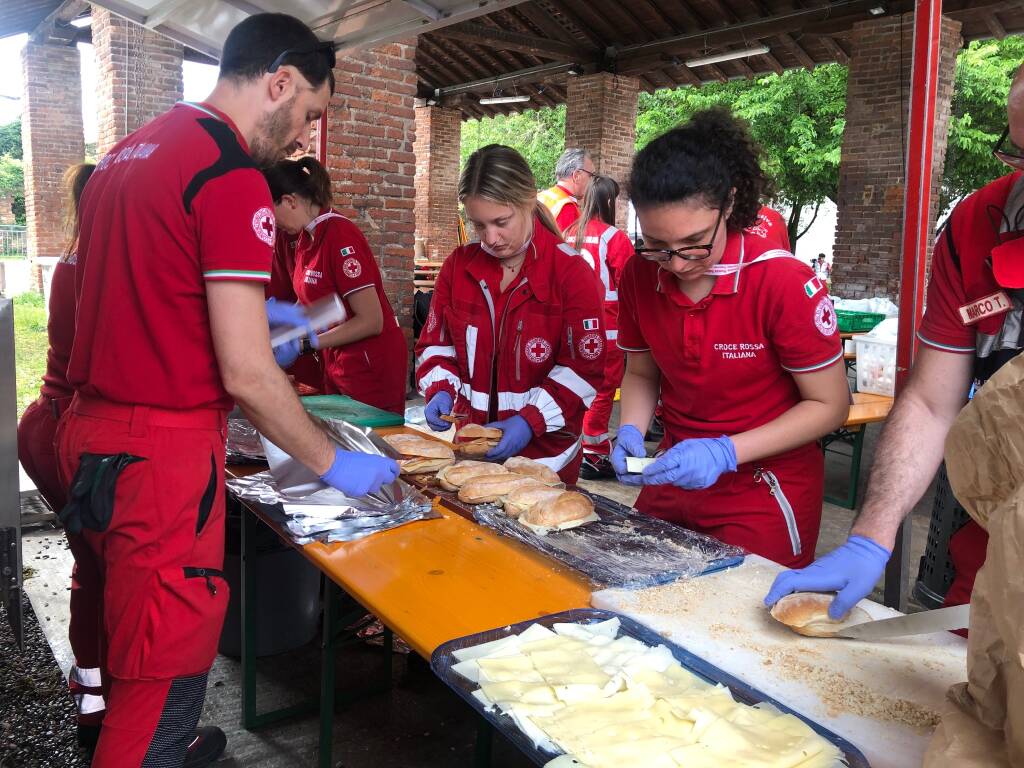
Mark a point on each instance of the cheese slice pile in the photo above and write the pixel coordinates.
(613, 702)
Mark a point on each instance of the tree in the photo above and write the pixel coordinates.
(10, 139)
(538, 135)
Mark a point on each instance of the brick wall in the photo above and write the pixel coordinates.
(138, 75)
(871, 176)
(51, 132)
(370, 135)
(601, 117)
(438, 133)
(7, 210)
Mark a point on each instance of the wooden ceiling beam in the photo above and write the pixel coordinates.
(835, 49)
(473, 32)
(596, 40)
(797, 50)
(543, 21)
(995, 26)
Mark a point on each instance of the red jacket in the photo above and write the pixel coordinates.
(607, 249)
(546, 328)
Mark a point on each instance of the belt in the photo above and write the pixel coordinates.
(146, 415)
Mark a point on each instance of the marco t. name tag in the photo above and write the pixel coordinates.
(995, 304)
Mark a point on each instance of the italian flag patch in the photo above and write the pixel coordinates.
(347, 250)
(813, 287)
(591, 325)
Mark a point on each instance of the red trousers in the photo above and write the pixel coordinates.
(373, 371)
(595, 421)
(967, 549)
(36, 448)
(741, 509)
(156, 559)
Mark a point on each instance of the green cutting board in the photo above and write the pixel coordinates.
(345, 408)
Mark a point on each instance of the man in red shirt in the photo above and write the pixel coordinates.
(971, 327)
(772, 227)
(573, 171)
(174, 255)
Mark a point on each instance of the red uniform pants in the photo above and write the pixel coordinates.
(37, 432)
(374, 373)
(595, 421)
(743, 509)
(147, 486)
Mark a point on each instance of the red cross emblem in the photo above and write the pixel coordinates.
(263, 225)
(591, 346)
(825, 318)
(538, 350)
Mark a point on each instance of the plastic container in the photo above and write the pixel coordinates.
(935, 572)
(857, 322)
(321, 314)
(876, 365)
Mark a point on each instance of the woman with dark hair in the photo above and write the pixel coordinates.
(512, 336)
(606, 249)
(740, 341)
(365, 356)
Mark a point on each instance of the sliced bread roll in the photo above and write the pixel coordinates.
(489, 488)
(458, 474)
(423, 455)
(524, 466)
(476, 440)
(520, 500)
(806, 613)
(565, 510)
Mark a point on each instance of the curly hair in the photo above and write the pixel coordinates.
(710, 155)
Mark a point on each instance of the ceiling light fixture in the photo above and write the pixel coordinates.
(518, 99)
(82, 21)
(876, 10)
(715, 58)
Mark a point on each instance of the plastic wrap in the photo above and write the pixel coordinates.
(623, 548)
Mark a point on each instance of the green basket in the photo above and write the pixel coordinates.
(352, 411)
(857, 322)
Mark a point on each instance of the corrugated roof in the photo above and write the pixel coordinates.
(18, 16)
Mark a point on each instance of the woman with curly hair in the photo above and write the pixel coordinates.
(739, 340)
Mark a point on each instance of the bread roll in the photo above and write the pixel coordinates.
(524, 466)
(413, 445)
(458, 474)
(566, 507)
(522, 499)
(476, 440)
(420, 465)
(806, 613)
(488, 488)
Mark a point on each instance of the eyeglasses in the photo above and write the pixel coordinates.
(1006, 152)
(688, 252)
(325, 49)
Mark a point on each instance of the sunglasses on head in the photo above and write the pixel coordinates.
(1007, 153)
(325, 49)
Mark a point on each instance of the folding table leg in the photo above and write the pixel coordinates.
(248, 610)
(858, 447)
(327, 664)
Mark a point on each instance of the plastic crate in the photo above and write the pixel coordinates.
(876, 365)
(851, 321)
(935, 572)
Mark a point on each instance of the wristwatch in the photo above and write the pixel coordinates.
(305, 345)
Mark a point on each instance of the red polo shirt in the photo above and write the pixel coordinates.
(727, 362)
(175, 204)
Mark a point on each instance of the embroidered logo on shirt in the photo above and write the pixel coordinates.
(313, 276)
(431, 321)
(741, 351)
(592, 324)
(537, 349)
(995, 304)
(825, 317)
(351, 267)
(263, 225)
(591, 346)
(813, 287)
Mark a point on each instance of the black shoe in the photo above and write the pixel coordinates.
(207, 746)
(88, 735)
(656, 431)
(596, 467)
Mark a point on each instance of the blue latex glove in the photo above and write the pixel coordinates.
(852, 570)
(691, 464)
(516, 433)
(283, 313)
(357, 474)
(439, 405)
(629, 442)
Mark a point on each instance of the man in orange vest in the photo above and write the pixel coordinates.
(573, 171)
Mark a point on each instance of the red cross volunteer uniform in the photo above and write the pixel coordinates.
(976, 307)
(535, 349)
(333, 257)
(606, 249)
(771, 226)
(307, 372)
(563, 205)
(174, 205)
(727, 366)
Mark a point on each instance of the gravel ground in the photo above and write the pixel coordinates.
(37, 717)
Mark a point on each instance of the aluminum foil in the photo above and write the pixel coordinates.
(244, 445)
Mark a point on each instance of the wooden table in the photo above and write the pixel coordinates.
(866, 409)
(429, 581)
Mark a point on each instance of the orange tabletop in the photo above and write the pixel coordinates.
(868, 409)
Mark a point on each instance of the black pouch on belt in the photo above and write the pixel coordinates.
(91, 498)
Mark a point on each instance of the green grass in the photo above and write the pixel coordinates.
(30, 344)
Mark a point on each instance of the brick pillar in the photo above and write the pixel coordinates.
(138, 75)
(601, 117)
(51, 134)
(438, 133)
(7, 210)
(866, 260)
(370, 135)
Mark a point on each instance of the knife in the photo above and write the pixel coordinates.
(957, 617)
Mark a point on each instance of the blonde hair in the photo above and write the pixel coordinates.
(73, 183)
(501, 175)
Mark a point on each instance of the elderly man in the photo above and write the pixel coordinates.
(573, 171)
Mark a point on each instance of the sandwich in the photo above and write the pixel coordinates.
(566, 510)
(524, 466)
(806, 613)
(476, 440)
(489, 488)
(453, 477)
(420, 454)
(521, 499)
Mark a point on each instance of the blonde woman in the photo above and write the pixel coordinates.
(515, 335)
